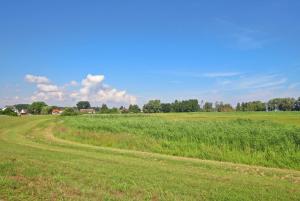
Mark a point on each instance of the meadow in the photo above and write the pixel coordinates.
(249, 138)
(147, 157)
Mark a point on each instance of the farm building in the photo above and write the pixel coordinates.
(56, 111)
(87, 111)
(23, 112)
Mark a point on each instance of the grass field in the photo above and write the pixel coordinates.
(253, 138)
(129, 157)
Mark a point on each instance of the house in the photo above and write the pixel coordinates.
(87, 111)
(56, 111)
(23, 112)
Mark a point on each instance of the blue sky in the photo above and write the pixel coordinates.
(121, 52)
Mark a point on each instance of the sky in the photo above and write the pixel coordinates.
(126, 52)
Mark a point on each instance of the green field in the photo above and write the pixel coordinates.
(189, 156)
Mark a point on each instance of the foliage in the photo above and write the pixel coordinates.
(36, 107)
(123, 110)
(297, 105)
(113, 110)
(9, 112)
(104, 109)
(134, 109)
(191, 105)
(221, 107)
(34, 166)
(83, 105)
(282, 104)
(69, 111)
(20, 107)
(47, 110)
(238, 140)
(153, 106)
(251, 106)
(166, 107)
(208, 107)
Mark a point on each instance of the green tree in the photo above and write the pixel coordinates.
(134, 109)
(123, 110)
(113, 110)
(153, 106)
(9, 111)
(69, 111)
(83, 105)
(166, 107)
(47, 110)
(297, 105)
(191, 105)
(104, 109)
(36, 107)
(282, 104)
(20, 107)
(208, 107)
(221, 107)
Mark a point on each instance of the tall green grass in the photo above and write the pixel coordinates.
(258, 142)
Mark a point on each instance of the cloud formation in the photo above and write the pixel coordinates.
(36, 79)
(45, 90)
(90, 89)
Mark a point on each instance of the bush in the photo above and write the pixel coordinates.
(46, 110)
(70, 112)
(9, 112)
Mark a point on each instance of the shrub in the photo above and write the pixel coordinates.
(70, 112)
(9, 112)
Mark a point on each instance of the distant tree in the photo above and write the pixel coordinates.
(36, 107)
(176, 106)
(221, 107)
(166, 107)
(252, 106)
(297, 105)
(282, 104)
(9, 111)
(20, 107)
(113, 110)
(134, 109)
(69, 111)
(191, 105)
(47, 110)
(208, 107)
(104, 109)
(123, 110)
(153, 106)
(83, 105)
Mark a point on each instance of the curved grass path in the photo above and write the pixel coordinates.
(34, 165)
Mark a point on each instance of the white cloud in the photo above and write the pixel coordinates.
(265, 81)
(36, 79)
(47, 87)
(91, 89)
(45, 90)
(73, 83)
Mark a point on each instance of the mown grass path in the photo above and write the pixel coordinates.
(34, 165)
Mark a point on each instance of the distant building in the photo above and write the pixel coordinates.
(87, 111)
(23, 112)
(56, 111)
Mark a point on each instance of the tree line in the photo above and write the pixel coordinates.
(156, 106)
